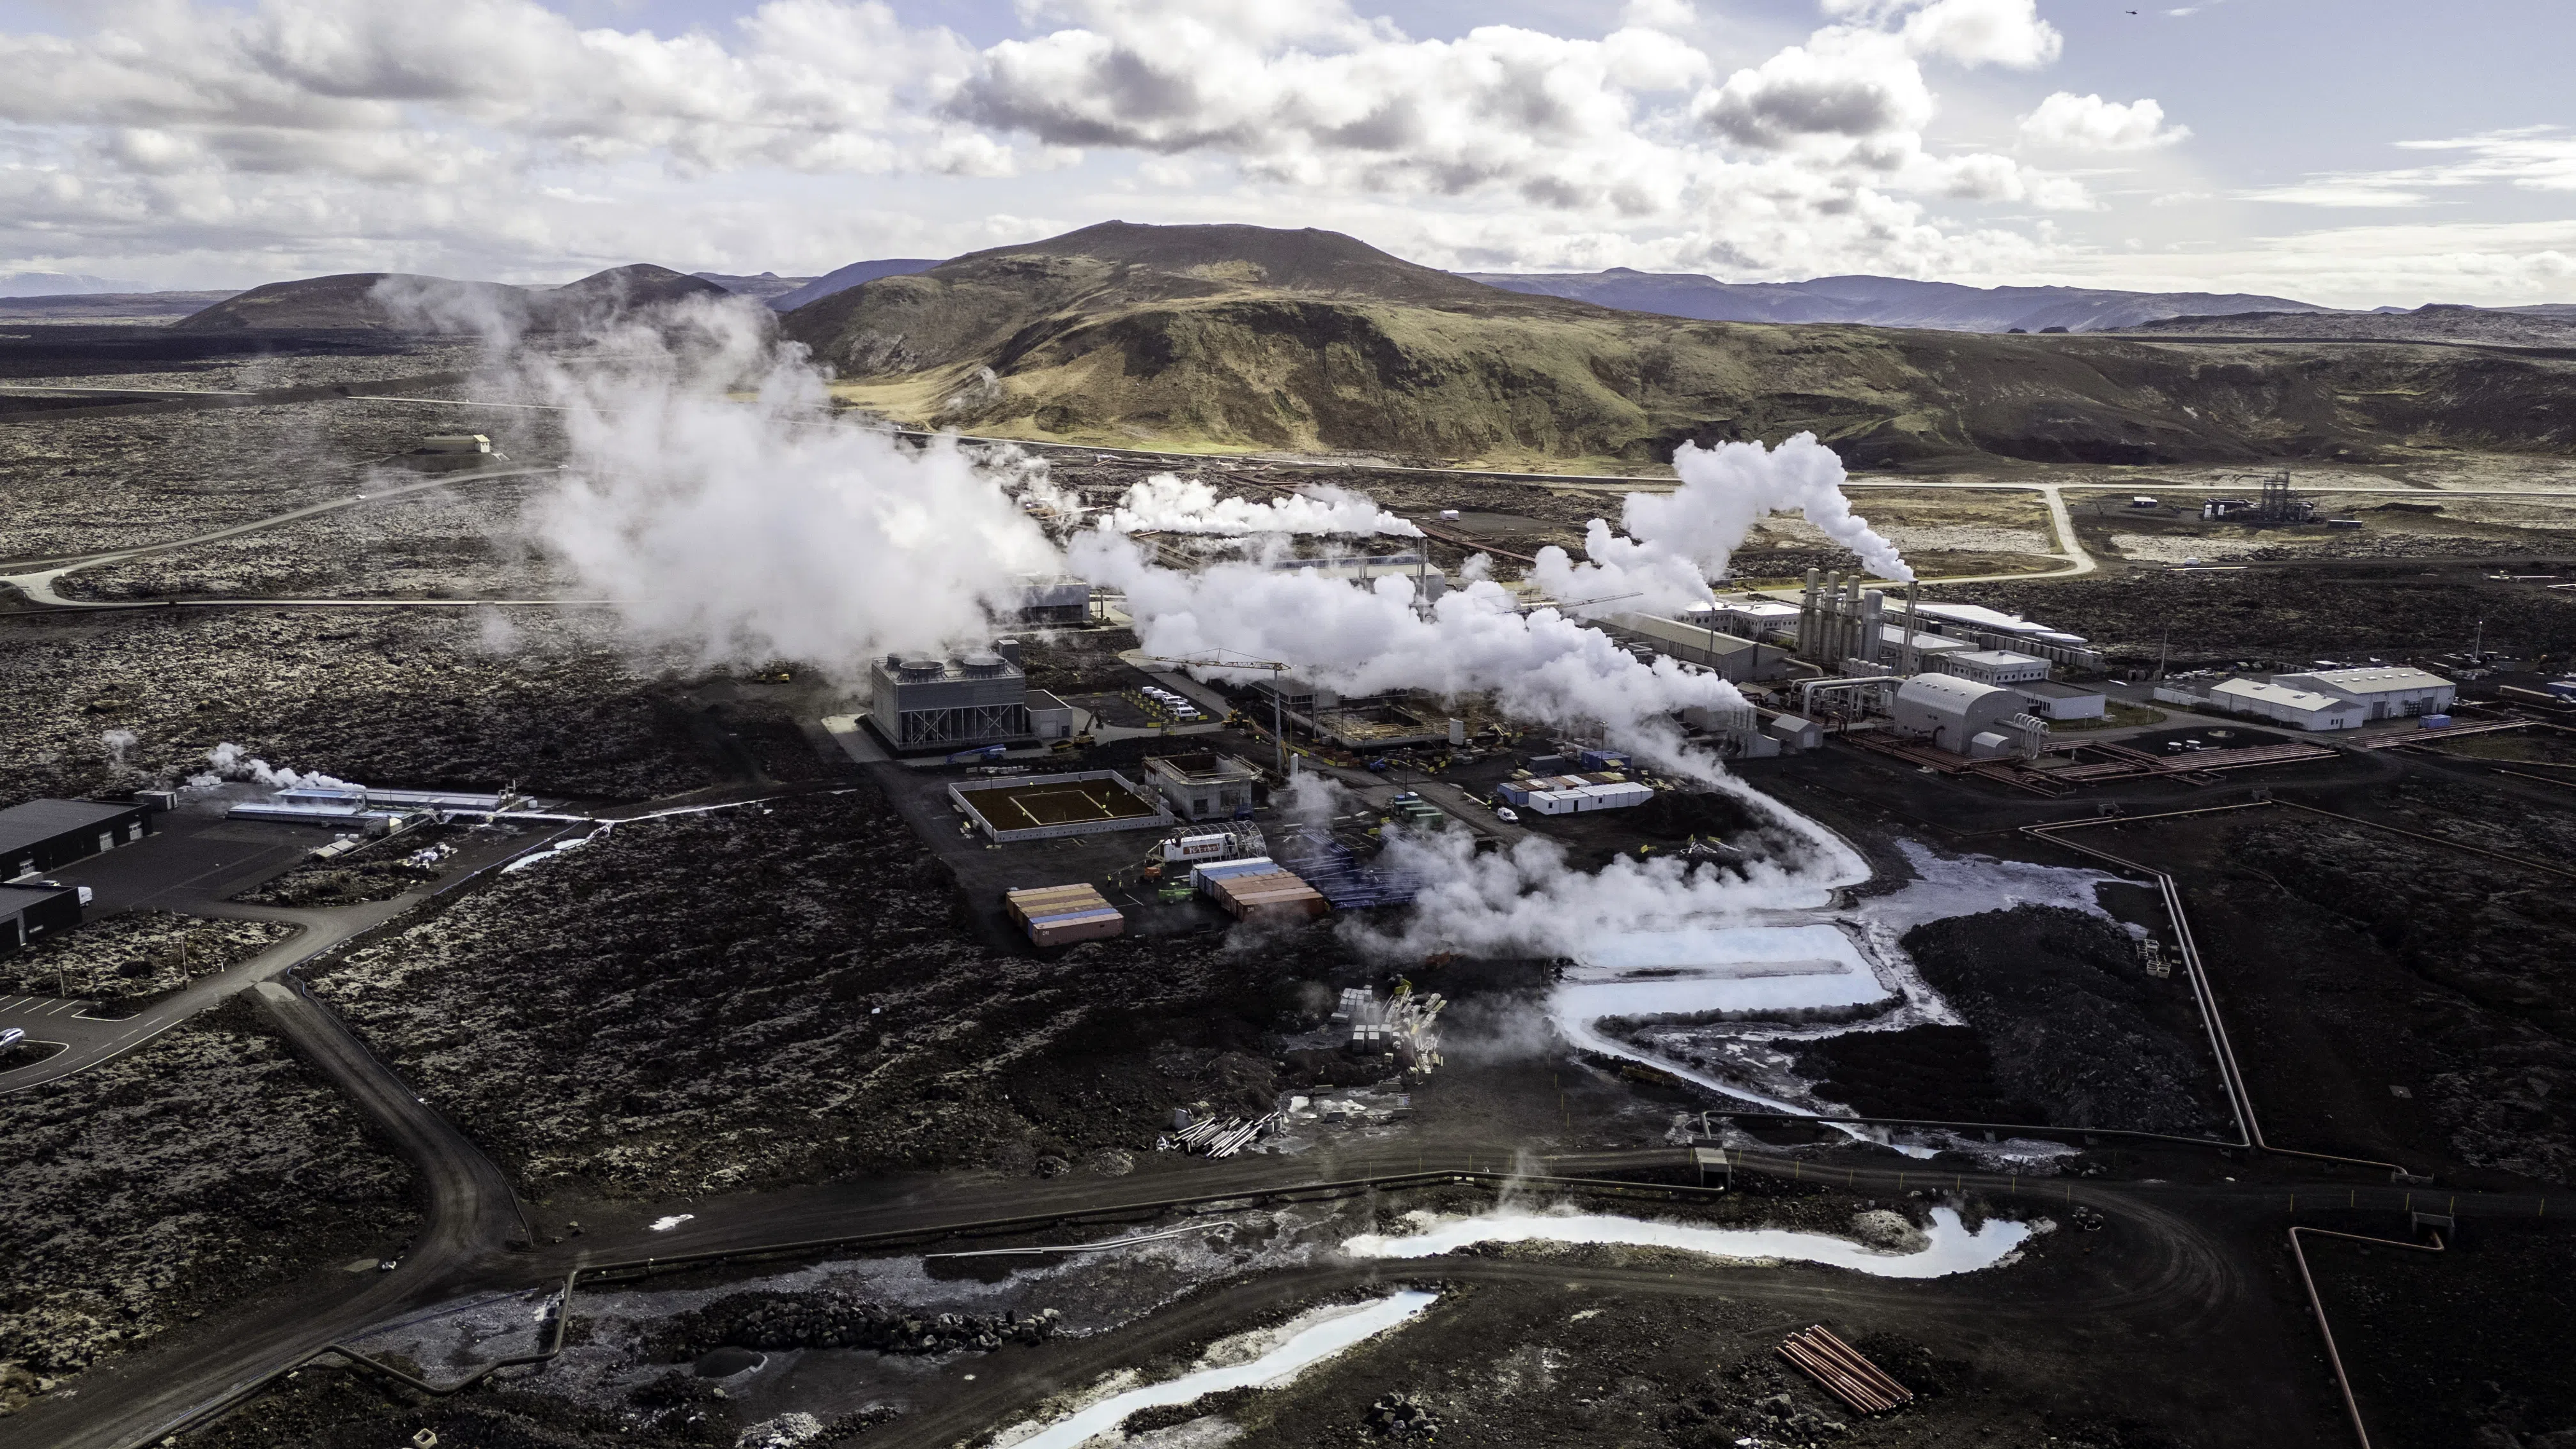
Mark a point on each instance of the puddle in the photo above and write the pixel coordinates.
(1708, 968)
(1306, 1347)
(1953, 1249)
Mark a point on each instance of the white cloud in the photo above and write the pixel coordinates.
(1984, 32)
(2070, 122)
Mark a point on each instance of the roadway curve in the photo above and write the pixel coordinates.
(100, 1039)
(470, 1222)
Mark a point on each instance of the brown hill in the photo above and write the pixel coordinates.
(398, 302)
(1243, 337)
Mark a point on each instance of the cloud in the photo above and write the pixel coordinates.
(2070, 122)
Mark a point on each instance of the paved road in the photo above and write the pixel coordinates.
(470, 1222)
(88, 1043)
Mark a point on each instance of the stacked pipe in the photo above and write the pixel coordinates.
(1198, 1132)
(1844, 1371)
(1235, 1140)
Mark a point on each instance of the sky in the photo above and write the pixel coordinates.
(2345, 152)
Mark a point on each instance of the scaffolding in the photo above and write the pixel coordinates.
(1338, 874)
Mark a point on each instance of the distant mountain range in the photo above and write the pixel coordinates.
(398, 302)
(60, 284)
(1881, 301)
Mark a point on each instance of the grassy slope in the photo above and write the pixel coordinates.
(1238, 338)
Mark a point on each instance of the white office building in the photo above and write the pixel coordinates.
(2301, 708)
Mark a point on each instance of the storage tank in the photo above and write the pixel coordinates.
(1948, 712)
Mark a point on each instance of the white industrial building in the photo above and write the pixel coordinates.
(2385, 691)
(1981, 721)
(2303, 708)
(1992, 666)
(2051, 700)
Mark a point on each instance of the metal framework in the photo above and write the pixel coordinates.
(977, 724)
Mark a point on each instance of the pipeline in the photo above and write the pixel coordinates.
(2248, 1127)
(2325, 1330)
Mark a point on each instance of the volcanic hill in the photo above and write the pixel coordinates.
(1240, 337)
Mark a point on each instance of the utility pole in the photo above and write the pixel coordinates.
(2164, 642)
(2478, 650)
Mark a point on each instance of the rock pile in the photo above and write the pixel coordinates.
(833, 1318)
(1398, 1416)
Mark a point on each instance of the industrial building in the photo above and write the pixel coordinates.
(1731, 656)
(29, 911)
(2001, 667)
(1573, 794)
(923, 703)
(2304, 709)
(1045, 600)
(1354, 722)
(1203, 786)
(2384, 691)
(44, 835)
(1980, 721)
(2054, 701)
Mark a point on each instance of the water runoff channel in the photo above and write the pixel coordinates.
(1789, 948)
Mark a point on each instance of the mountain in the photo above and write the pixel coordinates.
(842, 279)
(762, 288)
(399, 302)
(14, 285)
(1231, 337)
(108, 306)
(1879, 301)
(2540, 326)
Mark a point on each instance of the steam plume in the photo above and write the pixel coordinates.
(768, 528)
(1367, 638)
(1167, 503)
(1675, 542)
(231, 762)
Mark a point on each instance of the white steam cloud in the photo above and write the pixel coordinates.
(116, 743)
(1167, 503)
(1677, 541)
(231, 762)
(759, 526)
(1368, 638)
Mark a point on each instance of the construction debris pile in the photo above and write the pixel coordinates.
(1398, 1027)
(1208, 1137)
(834, 1318)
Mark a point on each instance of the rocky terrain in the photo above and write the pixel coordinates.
(463, 541)
(205, 1168)
(2291, 614)
(2063, 1022)
(549, 698)
(95, 484)
(2491, 950)
(133, 955)
(731, 1001)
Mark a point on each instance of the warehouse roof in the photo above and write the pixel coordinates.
(2281, 694)
(40, 820)
(2377, 678)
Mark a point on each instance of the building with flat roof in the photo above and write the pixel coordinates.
(2303, 708)
(44, 835)
(1731, 656)
(923, 703)
(2385, 691)
(2051, 700)
(2003, 667)
(1203, 786)
(29, 911)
